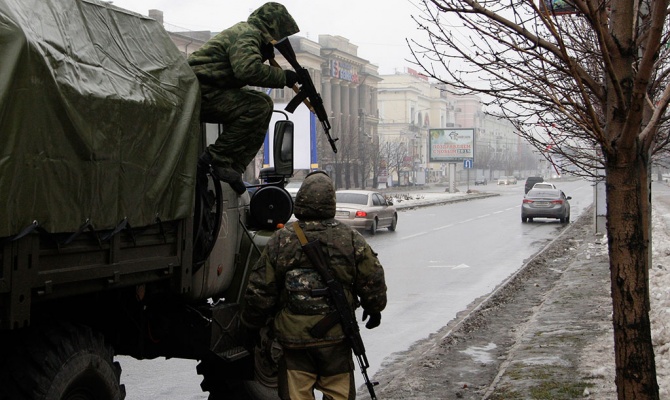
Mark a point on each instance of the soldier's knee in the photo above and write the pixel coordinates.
(262, 103)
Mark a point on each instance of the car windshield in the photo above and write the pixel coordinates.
(543, 194)
(352, 198)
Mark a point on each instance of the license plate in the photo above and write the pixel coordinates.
(542, 204)
(342, 213)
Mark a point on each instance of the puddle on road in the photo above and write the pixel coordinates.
(481, 354)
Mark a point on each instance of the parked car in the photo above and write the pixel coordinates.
(507, 180)
(531, 181)
(365, 210)
(481, 181)
(545, 203)
(544, 185)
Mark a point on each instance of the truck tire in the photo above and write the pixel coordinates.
(207, 216)
(61, 362)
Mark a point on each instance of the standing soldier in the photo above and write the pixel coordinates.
(285, 287)
(226, 64)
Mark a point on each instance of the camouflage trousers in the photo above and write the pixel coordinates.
(245, 115)
(328, 369)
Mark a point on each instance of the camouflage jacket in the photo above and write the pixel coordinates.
(274, 290)
(232, 59)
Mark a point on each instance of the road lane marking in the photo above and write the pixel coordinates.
(459, 266)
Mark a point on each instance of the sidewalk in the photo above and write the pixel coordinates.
(546, 333)
(411, 198)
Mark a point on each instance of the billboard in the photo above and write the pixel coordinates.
(451, 145)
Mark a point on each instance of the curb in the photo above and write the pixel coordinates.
(434, 202)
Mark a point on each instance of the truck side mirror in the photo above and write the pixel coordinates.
(283, 148)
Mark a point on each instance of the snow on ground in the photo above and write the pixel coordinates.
(416, 198)
(659, 294)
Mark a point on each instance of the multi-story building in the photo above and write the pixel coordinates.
(410, 105)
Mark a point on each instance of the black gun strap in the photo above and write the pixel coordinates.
(323, 271)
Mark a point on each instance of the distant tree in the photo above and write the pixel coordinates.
(368, 158)
(589, 86)
(394, 153)
(339, 162)
(374, 161)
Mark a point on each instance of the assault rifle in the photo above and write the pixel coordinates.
(343, 314)
(306, 92)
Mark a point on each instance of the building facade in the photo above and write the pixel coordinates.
(410, 105)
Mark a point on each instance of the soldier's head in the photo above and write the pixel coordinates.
(274, 21)
(315, 199)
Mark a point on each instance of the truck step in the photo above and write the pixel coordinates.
(234, 354)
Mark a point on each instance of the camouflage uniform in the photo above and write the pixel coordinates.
(282, 279)
(228, 62)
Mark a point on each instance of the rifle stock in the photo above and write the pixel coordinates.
(307, 92)
(346, 316)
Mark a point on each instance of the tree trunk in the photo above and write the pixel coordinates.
(629, 237)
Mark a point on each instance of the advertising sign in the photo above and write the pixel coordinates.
(343, 70)
(451, 145)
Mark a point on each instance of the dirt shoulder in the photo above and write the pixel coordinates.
(545, 334)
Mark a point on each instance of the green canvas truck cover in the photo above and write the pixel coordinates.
(99, 118)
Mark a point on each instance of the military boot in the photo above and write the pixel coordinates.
(228, 175)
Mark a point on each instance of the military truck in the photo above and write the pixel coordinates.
(113, 240)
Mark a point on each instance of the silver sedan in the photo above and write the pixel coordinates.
(365, 210)
(545, 203)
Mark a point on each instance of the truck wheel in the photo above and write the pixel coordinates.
(61, 362)
(207, 216)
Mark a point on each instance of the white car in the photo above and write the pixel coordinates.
(544, 185)
(292, 188)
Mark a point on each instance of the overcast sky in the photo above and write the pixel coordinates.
(378, 27)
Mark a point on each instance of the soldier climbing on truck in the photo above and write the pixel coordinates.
(226, 64)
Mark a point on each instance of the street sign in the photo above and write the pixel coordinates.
(467, 163)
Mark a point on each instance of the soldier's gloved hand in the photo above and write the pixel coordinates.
(291, 78)
(375, 319)
(267, 51)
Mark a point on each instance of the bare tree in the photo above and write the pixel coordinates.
(590, 85)
(393, 154)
